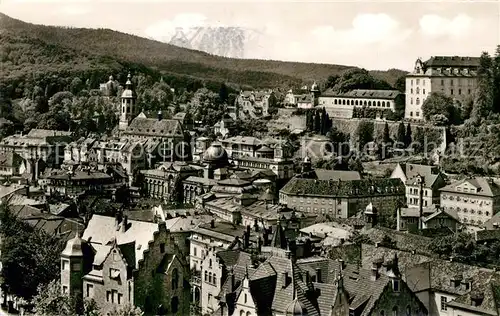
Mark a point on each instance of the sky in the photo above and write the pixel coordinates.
(370, 34)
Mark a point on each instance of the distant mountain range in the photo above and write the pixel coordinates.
(27, 48)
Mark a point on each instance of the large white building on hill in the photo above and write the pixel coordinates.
(453, 76)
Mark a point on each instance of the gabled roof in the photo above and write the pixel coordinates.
(324, 174)
(365, 94)
(102, 229)
(332, 188)
(452, 61)
(485, 186)
(155, 127)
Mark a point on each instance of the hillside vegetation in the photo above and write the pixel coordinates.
(25, 45)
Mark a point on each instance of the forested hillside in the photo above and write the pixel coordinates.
(102, 48)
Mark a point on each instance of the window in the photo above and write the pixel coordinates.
(423, 91)
(417, 114)
(411, 81)
(382, 313)
(418, 81)
(242, 313)
(411, 113)
(120, 298)
(395, 311)
(245, 298)
(418, 90)
(442, 82)
(459, 91)
(417, 101)
(451, 81)
(65, 264)
(443, 303)
(395, 285)
(194, 251)
(175, 279)
(210, 277)
(249, 314)
(174, 304)
(108, 296)
(90, 290)
(411, 100)
(162, 247)
(114, 273)
(451, 91)
(468, 91)
(408, 310)
(215, 279)
(206, 276)
(65, 289)
(411, 90)
(210, 263)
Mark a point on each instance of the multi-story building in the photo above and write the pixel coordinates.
(39, 149)
(341, 199)
(343, 104)
(10, 164)
(453, 288)
(254, 103)
(119, 262)
(475, 201)
(453, 76)
(417, 177)
(161, 182)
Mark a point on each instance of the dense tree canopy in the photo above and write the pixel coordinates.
(29, 257)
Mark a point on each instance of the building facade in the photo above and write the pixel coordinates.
(475, 201)
(341, 199)
(342, 104)
(454, 76)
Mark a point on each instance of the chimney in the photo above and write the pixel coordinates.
(318, 275)
(260, 242)
(118, 219)
(212, 223)
(27, 187)
(246, 240)
(124, 223)
(375, 274)
(342, 264)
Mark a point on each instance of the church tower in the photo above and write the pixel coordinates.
(127, 110)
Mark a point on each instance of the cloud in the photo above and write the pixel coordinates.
(437, 26)
(366, 29)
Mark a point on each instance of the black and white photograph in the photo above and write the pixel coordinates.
(249, 158)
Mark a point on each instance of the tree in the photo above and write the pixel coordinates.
(364, 133)
(496, 80)
(127, 310)
(317, 122)
(29, 257)
(437, 103)
(356, 78)
(51, 301)
(331, 81)
(223, 93)
(484, 93)
(400, 84)
(408, 138)
(401, 136)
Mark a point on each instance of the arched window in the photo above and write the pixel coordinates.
(210, 263)
(206, 276)
(215, 279)
(242, 313)
(343, 102)
(417, 102)
(210, 277)
(175, 279)
(408, 310)
(369, 103)
(418, 90)
(335, 101)
(356, 102)
(378, 103)
(249, 314)
(382, 313)
(395, 311)
(174, 304)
